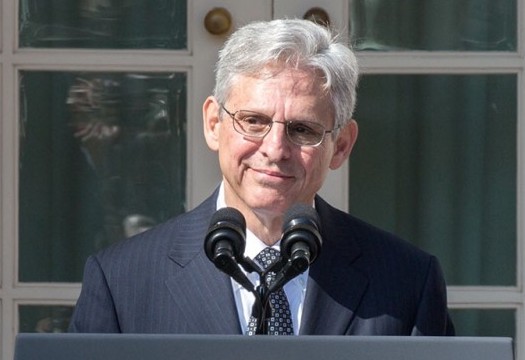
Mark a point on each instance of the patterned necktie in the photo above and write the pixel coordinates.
(280, 320)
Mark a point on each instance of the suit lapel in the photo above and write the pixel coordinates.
(200, 291)
(204, 297)
(329, 307)
(335, 288)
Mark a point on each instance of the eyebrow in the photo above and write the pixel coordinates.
(285, 120)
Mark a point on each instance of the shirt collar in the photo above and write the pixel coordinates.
(254, 245)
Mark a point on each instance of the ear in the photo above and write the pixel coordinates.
(344, 144)
(212, 123)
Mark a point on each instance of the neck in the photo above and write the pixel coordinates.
(267, 228)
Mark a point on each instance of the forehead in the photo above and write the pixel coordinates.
(279, 87)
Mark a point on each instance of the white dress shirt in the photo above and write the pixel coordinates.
(295, 289)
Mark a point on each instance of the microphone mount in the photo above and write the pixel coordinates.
(300, 245)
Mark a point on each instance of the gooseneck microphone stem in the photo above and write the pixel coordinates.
(261, 306)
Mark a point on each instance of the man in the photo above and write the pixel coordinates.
(280, 119)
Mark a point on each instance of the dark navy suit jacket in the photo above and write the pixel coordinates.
(364, 282)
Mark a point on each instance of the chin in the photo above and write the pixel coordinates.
(276, 206)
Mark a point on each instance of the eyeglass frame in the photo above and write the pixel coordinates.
(286, 123)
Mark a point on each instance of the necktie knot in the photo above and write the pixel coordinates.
(267, 257)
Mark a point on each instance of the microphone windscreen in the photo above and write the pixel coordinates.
(301, 227)
(300, 213)
(229, 215)
(226, 225)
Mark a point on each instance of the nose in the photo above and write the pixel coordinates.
(275, 145)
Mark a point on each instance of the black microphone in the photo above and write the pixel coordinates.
(300, 243)
(225, 242)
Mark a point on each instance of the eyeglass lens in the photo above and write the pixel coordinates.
(258, 125)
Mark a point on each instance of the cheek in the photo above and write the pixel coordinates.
(317, 166)
(233, 149)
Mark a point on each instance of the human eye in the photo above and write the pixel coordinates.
(254, 119)
(305, 128)
(253, 123)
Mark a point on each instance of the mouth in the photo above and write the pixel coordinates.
(273, 175)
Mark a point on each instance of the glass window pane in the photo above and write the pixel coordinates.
(462, 25)
(435, 162)
(128, 24)
(484, 322)
(44, 318)
(102, 156)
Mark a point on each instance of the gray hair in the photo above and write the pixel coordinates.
(291, 43)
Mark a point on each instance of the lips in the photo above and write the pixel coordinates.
(268, 178)
(273, 173)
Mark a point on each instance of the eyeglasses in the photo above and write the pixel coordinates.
(254, 124)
